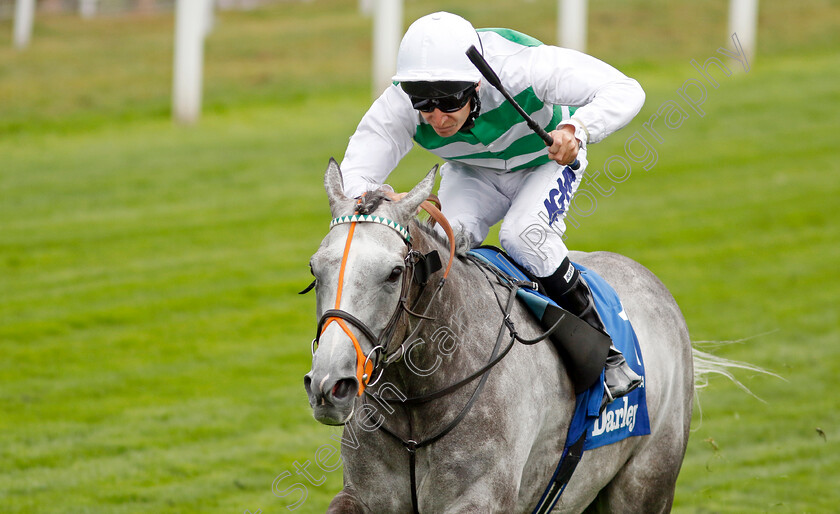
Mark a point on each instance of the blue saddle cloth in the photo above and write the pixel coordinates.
(623, 418)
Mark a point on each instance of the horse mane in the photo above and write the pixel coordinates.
(463, 243)
(371, 201)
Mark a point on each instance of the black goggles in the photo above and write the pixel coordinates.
(447, 104)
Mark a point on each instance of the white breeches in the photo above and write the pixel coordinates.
(532, 202)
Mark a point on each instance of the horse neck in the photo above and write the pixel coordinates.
(460, 337)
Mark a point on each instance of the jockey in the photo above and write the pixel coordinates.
(495, 166)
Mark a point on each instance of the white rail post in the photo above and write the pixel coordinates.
(24, 19)
(87, 8)
(743, 20)
(209, 17)
(571, 24)
(190, 26)
(387, 32)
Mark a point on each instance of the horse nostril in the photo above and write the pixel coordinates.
(307, 384)
(344, 388)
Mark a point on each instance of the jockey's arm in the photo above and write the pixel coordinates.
(382, 139)
(605, 98)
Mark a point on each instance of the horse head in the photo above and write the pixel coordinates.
(361, 275)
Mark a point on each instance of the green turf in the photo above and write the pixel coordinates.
(152, 341)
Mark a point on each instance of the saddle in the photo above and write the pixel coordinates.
(583, 348)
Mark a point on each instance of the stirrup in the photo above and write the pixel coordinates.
(607, 399)
(631, 386)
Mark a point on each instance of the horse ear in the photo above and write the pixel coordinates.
(334, 184)
(411, 202)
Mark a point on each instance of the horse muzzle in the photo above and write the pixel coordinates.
(332, 398)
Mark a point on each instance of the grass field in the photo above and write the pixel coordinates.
(152, 344)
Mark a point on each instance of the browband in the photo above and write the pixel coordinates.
(370, 218)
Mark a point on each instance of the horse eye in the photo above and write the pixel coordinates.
(395, 274)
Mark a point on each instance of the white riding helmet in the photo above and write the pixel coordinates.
(434, 50)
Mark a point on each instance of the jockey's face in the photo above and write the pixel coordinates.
(447, 123)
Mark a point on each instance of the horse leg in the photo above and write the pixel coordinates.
(345, 502)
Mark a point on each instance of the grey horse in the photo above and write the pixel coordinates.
(502, 451)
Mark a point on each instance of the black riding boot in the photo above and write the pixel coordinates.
(570, 291)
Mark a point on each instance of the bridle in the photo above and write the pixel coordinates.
(418, 267)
